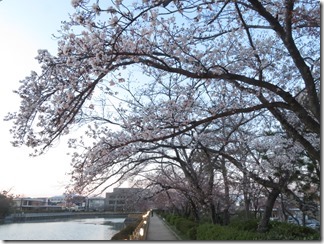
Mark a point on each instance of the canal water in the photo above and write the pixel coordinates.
(73, 229)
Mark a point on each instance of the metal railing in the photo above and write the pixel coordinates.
(140, 231)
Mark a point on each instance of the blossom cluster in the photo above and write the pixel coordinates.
(198, 65)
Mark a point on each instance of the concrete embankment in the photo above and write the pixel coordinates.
(23, 217)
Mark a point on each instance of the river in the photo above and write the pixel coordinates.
(72, 229)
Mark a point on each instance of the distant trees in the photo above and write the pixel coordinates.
(6, 203)
(154, 80)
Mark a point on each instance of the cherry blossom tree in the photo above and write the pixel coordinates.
(216, 59)
(273, 162)
(268, 50)
(189, 164)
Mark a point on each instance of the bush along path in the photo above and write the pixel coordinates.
(239, 230)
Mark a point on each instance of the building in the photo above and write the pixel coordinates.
(95, 204)
(57, 200)
(34, 205)
(126, 200)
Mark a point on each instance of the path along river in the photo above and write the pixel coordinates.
(72, 229)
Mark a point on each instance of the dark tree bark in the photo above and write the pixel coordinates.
(227, 193)
(213, 213)
(247, 199)
(264, 224)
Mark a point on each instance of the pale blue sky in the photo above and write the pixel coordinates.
(26, 26)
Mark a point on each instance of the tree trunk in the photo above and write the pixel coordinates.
(264, 224)
(304, 219)
(195, 212)
(213, 213)
(227, 196)
(226, 215)
(247, 202)
(247, 199)
(218, 217)
(283, 208)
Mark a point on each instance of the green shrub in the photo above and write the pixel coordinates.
(167, 218)
(176, 221)
(192, 233)
(241, 229)
(218, 232)
(287, 231)
(173, 219)
(248, 225)
(184, 225)
(187, 227)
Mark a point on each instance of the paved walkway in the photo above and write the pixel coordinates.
(159, 231)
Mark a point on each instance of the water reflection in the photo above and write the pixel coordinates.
(76, 229)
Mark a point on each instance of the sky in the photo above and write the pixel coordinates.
(25, 27)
